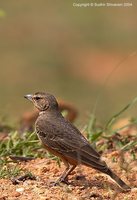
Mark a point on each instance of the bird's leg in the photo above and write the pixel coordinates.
(63, 177)
(67, 171)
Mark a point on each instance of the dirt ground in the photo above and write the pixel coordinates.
(84, 182)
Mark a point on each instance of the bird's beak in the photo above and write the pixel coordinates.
(28, 96)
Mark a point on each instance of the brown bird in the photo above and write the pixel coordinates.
(64, 140)
(28, 119)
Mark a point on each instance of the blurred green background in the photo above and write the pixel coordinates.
(68, 51)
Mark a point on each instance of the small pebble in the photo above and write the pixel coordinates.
(134, 190)
(20, 190)
(16, 194)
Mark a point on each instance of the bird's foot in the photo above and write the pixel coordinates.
(58, 181)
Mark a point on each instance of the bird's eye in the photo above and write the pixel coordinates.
(37, 98)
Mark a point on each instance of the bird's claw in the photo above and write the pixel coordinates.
(60, 180)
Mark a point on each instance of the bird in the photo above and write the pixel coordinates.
(28, 119)
(61, 138)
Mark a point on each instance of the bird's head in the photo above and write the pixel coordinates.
(43, 101)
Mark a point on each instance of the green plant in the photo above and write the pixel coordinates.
(8, 169)
(26, 145)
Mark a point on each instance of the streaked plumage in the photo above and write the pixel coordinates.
(63, 139)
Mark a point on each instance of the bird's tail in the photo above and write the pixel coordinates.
(117, 179)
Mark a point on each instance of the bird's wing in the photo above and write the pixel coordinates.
(67, 140)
